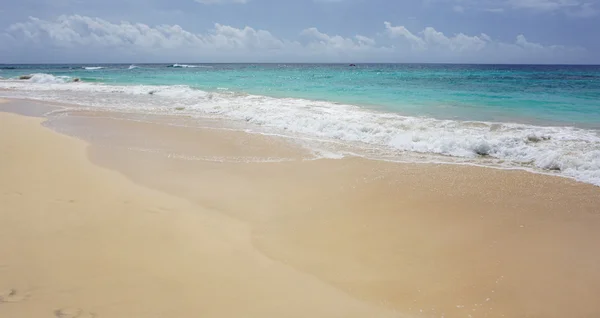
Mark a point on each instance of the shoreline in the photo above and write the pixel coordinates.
(341, 237)
(409, 157)
(375, 108)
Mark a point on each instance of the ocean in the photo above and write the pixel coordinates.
(540, 118)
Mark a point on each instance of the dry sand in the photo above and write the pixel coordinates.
(168, 237)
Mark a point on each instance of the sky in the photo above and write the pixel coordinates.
(355, 31)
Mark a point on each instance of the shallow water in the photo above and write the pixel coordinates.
(521, 93)
(539, 118)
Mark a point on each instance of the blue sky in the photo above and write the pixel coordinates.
(457, 31)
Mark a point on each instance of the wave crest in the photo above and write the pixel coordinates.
(176, 65)
(42, 78)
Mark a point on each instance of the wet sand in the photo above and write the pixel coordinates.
(152, 220)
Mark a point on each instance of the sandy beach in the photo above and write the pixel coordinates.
(91, 226)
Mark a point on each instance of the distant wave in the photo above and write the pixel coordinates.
(91, 68)
(562, 151)
(131, 67)
(42, 78)
(176, 65)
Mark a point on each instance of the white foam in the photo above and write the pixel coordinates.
(176, 65)
(131, 67)
(565, 151)
(92, 68)
(184, 66)
(41, 78)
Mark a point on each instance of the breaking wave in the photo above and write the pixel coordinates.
(42, 78)
(565, 151)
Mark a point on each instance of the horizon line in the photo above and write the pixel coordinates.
(323, 63)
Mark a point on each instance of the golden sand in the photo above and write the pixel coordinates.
(77, 240)
(155, 235)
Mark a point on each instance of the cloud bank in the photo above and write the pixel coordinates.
(76, 38)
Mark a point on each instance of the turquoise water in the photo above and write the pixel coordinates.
(553, 95)
(539, 118)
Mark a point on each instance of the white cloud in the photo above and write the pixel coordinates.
(400, 31)
(94, 39)
(336, 41)
(439, 46)
(431, 39)
(79, 31)
(363, 40)
(226, 36)
(330, 47)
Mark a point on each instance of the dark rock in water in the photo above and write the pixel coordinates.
(534, 138)
(352, 64)
(554, 167)
(482, 150)
(76, 79)
(25, 77)
(495, 127)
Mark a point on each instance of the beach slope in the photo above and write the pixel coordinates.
(77, 240)
(102, 229)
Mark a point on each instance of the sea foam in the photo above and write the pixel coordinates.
(41, 78)
(183, 66)
(565, 151)
(176, 65)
